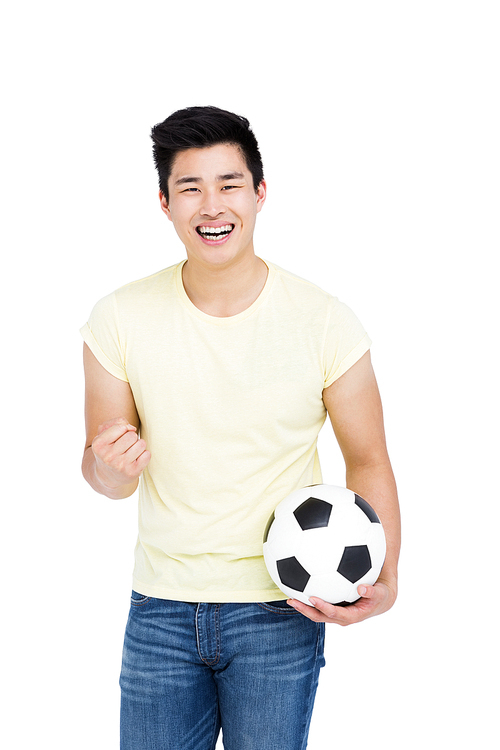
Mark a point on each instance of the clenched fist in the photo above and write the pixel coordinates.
(120, 457)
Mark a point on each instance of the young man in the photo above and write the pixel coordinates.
(209, 381)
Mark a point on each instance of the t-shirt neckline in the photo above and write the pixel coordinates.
(231, 320)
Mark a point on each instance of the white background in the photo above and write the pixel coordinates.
(379, 127)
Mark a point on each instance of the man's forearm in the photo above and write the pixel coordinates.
(375, 483)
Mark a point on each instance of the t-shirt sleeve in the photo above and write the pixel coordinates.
(102, 335)
(345, 342)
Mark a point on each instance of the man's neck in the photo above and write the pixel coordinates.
(224, 291)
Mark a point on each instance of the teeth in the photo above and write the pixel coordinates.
(215, 230)
(212, 233)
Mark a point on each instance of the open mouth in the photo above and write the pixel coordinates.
(215, 234)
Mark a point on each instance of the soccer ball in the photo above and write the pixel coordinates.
(324, 541)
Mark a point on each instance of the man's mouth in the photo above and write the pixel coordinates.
(214, 234)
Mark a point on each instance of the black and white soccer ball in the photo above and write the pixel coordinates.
(324, 541)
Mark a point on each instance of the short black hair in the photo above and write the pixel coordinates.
(201, 127)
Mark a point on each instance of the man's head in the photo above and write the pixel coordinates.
(202, 127)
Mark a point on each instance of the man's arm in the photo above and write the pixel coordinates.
(355, 409)
(114, 456)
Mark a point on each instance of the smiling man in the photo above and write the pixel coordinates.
(207, 385)
(213, 203)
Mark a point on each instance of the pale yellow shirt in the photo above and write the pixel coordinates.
(230, 409)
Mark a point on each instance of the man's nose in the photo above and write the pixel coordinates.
(213, 204)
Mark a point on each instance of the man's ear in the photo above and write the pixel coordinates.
(164, 205)
(261, 195)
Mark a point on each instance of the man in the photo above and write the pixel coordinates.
(210, 381)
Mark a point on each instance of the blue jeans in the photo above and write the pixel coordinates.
(190, 669)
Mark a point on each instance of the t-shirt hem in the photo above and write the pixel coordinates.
(209, 597)
(353, 357)
(98, 353)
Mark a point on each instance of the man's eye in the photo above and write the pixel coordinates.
(230, 187)
(190, 190)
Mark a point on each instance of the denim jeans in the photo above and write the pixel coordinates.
(190, 669)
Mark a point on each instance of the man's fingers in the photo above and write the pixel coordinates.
(113, 434)
(143, 460)
(329, 610)
(119, 423)
(114, 449)
(322, 611)
(136, 450)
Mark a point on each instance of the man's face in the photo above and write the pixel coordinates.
(212, 204)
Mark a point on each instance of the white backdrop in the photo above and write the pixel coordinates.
(378, 124)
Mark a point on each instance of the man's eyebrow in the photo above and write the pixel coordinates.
(183, 180)
(230, 176)
(220, 178)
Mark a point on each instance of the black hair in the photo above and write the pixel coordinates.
(200, 127)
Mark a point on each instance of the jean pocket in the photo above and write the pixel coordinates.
(138, 600)
(279, 607)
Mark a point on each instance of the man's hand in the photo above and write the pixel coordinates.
(120, 455)
(374, 601)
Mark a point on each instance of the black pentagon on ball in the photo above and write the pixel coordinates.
(292, 574)
(355, 563)
(313, 514)
(366, 508)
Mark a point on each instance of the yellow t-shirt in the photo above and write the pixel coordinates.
(230, 409)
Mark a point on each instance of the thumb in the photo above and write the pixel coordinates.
(366, 591)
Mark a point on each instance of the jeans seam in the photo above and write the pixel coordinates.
(278, 610)
(140, 602)
(217, 638)
(217, 635)
(314, 683)
(216, 727)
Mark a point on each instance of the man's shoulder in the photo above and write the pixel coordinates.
(138, 298)
(155, 282)
(302, 288)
